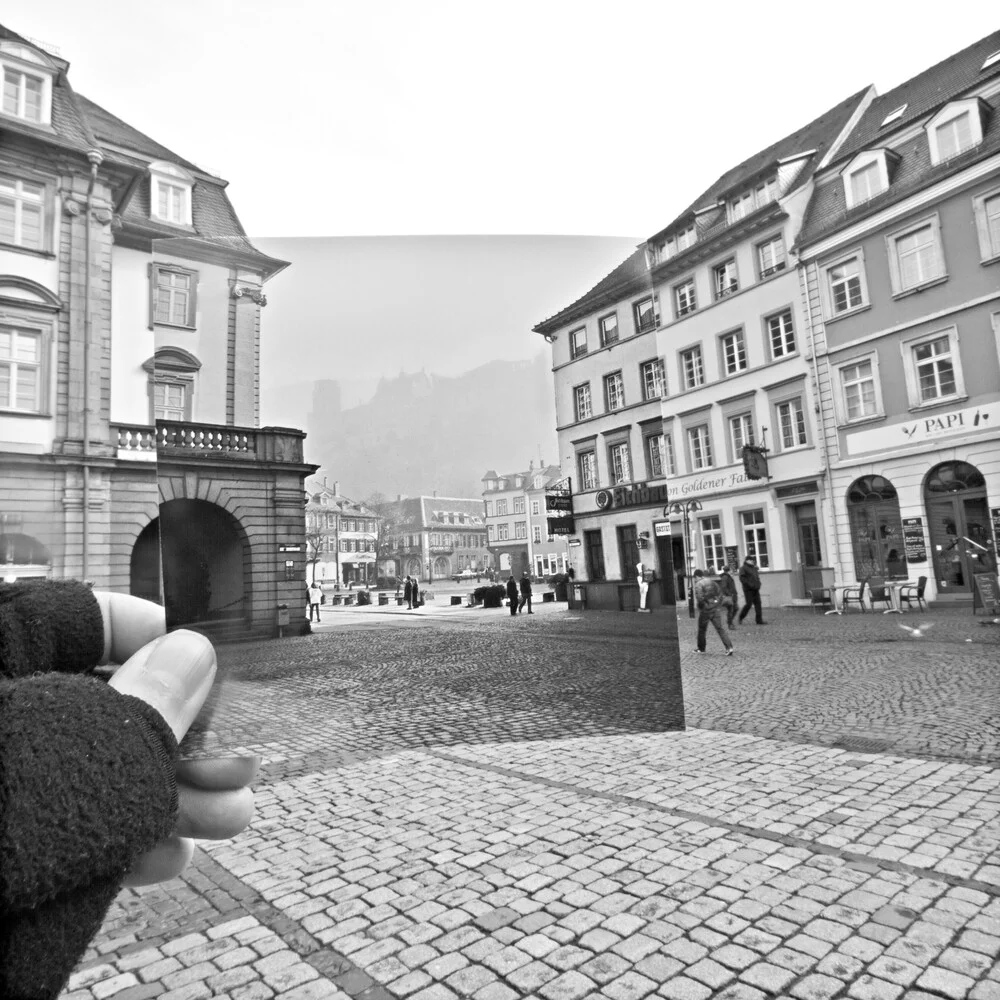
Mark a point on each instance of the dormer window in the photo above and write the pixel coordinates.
(747, 202)
(991, 60)
(170, 193)
(27, 83)
(675, 244)
(893, 116)
(867, 175)
(954, 129)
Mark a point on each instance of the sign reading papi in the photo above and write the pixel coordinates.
(559, 502)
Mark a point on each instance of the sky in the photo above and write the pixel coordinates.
(402, 117)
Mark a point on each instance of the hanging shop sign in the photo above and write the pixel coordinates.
(560, 525)
(913, 540)
(559, 503)
(755, 462)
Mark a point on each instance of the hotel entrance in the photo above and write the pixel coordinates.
(959, 525)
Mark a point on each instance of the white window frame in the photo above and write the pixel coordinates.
(989, 241)
(608, 339)
(908, 347)
(501, 508)
(654, 379)
(740, 361)
(861, 163)
(619, 463)
(656, 455)
(586, 463)
(951, 113)
(840, 389)
(577, 350)
(489, 508)
(13, 194)
(520, 529)
(156, 288)
(164, 174)
(933, 224)
(161, 411)
(535, 508)
(697, 368)
(503, 532)
(795, 402)
(755, 535)
(16, 58)
(669, 456)
(41, 334)
(713, 549)
(536, 534)
(690, 293)
(720, 288)
(744, 425)
(786, 332)
(654, 314)
(583, 402)
(699, 437)
(518, 505)
(614, 392)
(779, 257)
(826, 290)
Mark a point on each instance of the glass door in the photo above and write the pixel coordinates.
(595, 555)
(810, 551)
(947, 525)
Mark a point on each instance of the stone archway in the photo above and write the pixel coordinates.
(205, 562)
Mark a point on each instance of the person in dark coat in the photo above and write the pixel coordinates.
(729, 599)
(512, 594)
(525, 594)
(408, 593)
(708, 598)
(750, 581)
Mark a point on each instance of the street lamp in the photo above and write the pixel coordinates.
(685, 509)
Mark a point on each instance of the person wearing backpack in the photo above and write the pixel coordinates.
(708, 598)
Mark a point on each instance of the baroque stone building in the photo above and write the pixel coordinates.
(130, 307)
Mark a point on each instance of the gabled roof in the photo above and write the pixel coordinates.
(344, 505)
(418, 513)
(923, 94)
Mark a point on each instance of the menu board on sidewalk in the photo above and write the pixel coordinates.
(987, 591)
(913, 540)
(733, 557)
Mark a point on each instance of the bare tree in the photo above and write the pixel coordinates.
(387, 525)
(315, 535)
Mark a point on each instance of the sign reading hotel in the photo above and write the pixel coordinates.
(929, 428)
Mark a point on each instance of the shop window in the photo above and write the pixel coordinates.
(876, 529)
(713, 553)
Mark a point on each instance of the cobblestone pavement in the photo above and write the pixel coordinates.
(454, 803)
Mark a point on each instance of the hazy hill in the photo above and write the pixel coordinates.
(423, 432)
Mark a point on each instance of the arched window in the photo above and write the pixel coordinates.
(953, 477)
(876, 529)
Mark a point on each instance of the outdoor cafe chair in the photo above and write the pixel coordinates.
(821, 597)
(910, 593)
(880, 593)
(855, 595)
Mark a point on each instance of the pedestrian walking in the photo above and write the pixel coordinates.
(708, 598)
(525, 594)
(512, 593)
(729, 599)
(750, 581)
(315, 592)
(408, 594)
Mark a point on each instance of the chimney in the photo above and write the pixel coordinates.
(324, 480)
(336, 487)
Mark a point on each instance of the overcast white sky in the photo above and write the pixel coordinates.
(344, 117)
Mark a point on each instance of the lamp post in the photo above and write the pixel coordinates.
(685, 509)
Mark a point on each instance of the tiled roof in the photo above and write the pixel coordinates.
(629, 275)
(923, 94)
(828, 209)
(817, 135)
(491, 474)
(417, 513)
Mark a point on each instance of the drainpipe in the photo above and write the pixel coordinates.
(95, 156)
(804, 283)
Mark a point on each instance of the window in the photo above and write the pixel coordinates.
(520, 529)
(676, 243)
(935, 369)
(518, 505)
(684, 298)
(724, 279)
(954, 136)
(699, 448)
(645, 315)
(594, 546)
(534, 508)
(23, 95)
(845, 287)
(489, 533)
(581, 401)
(21, 369)
(781, 334)
(587, 462)
(619, 464)
(614, 391)
(755, 536)
(987, 211)
(170, 193)
(771, 256)
(857, 383)
(536, 533)
(489, 508)
(740, 433)
(734, 352)
(501, 508)
(711, 543)
(174, 296)
(669, 463)
(609, 329)
(578, 342)
(791, 423)
(692, 368)
(653, 380)
(893, 116)
(628, 550)
(22, 213)
(866, 182)
(503, 531)
(170, 401)
(915, 256)
(747, 202)
(659, 461)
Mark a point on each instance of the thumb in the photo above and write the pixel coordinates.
(173, 673)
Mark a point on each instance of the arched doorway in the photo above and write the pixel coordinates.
(442, 568)
(205, 564)
(22, 557)
(876, 529)
(959, 525)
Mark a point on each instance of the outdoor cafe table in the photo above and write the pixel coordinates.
(894, 587)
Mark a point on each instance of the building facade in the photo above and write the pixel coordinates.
(341, 537)
(517, 525)
(130, 307)
(435, 538)
(900, 270)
